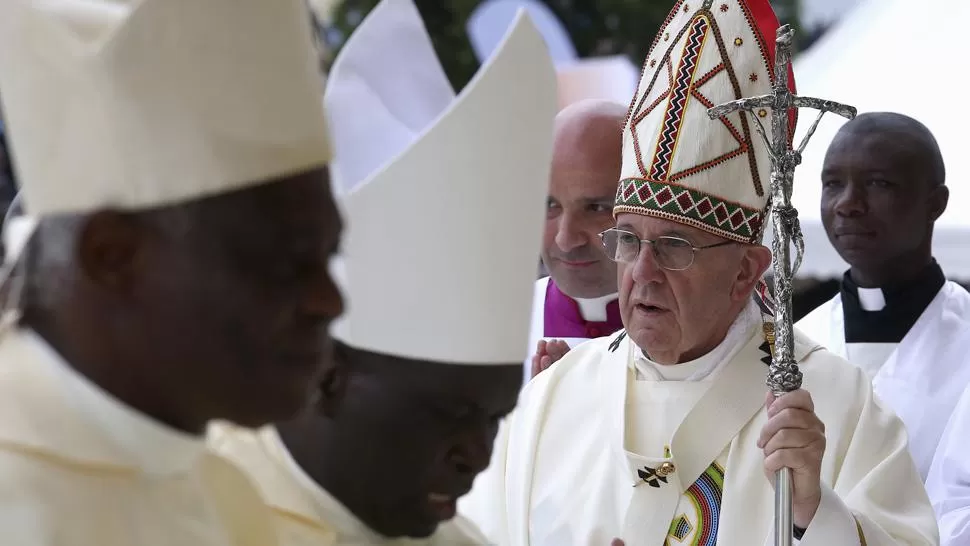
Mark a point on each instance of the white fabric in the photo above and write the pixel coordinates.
(306, 514)
(594, 309)
(16, 234)
(924, 377)
(871, 299)
(871, 357)
(154, 447)
(740, 175)
(137, 104)
(948, 482)
(385, 89)
(562, 472)
(857, 62)
(78, 467)
(490, 151)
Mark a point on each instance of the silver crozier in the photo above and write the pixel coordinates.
(783, 375)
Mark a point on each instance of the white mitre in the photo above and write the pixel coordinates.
(446, 205)
(142, 103)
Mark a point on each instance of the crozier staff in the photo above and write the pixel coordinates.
(665, 432)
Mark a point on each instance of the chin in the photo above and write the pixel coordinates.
(414, 528)
(272, 404)
(651, 340)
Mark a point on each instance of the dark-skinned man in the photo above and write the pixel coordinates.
(578, 300)
(896, 316)
(444, 203)
(173, 154)
(664, 433)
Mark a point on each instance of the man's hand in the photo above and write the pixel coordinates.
(794, 438)
(547, 353)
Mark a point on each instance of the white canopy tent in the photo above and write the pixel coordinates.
(890, 55)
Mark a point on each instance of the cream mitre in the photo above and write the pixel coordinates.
(444, 211)
(137, 104)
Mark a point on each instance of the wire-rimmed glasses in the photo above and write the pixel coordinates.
(671, 253)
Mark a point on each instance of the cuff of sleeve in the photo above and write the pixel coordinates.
(832, 524)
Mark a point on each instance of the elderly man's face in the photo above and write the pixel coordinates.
(677, 316)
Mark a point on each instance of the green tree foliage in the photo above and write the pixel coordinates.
(597, 27)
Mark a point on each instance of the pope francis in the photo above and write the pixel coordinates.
(173, 156)
(664, 433)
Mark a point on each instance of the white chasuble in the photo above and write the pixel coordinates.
(923, 376)
(79, 468)
(948, 482)
(566, 469)
(306, 515)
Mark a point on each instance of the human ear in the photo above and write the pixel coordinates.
(938, 199)
(108, 249)
(755, 260)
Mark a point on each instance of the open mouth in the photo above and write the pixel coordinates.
(649, 309)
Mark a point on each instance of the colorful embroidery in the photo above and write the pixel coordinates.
(705, 211)
(684, 84)
(698, 527)
(724, 8)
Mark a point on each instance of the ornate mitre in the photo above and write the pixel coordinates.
(443, 196)
(143, 103)
(680, 165)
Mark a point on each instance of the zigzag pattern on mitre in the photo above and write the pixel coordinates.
(686, 84)
(674, 116)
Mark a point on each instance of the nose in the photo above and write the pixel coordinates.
(851, 201)
(472, 451)
(323, 298)
(569, 233)
(645, 268)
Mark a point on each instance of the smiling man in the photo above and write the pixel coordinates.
(664, 433)
(436, 329)
(896, 316)
(578, 300)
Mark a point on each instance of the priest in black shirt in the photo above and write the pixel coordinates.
(896, 316)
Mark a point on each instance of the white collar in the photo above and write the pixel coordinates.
(704, 366)
(871, 299)
(594, 309)
(153, 447)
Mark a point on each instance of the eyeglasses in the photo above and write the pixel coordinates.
(671, 253)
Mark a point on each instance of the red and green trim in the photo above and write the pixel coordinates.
(689, 206)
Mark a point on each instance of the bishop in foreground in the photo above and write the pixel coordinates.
(438, 287)
(665, 432)
(173, 156)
